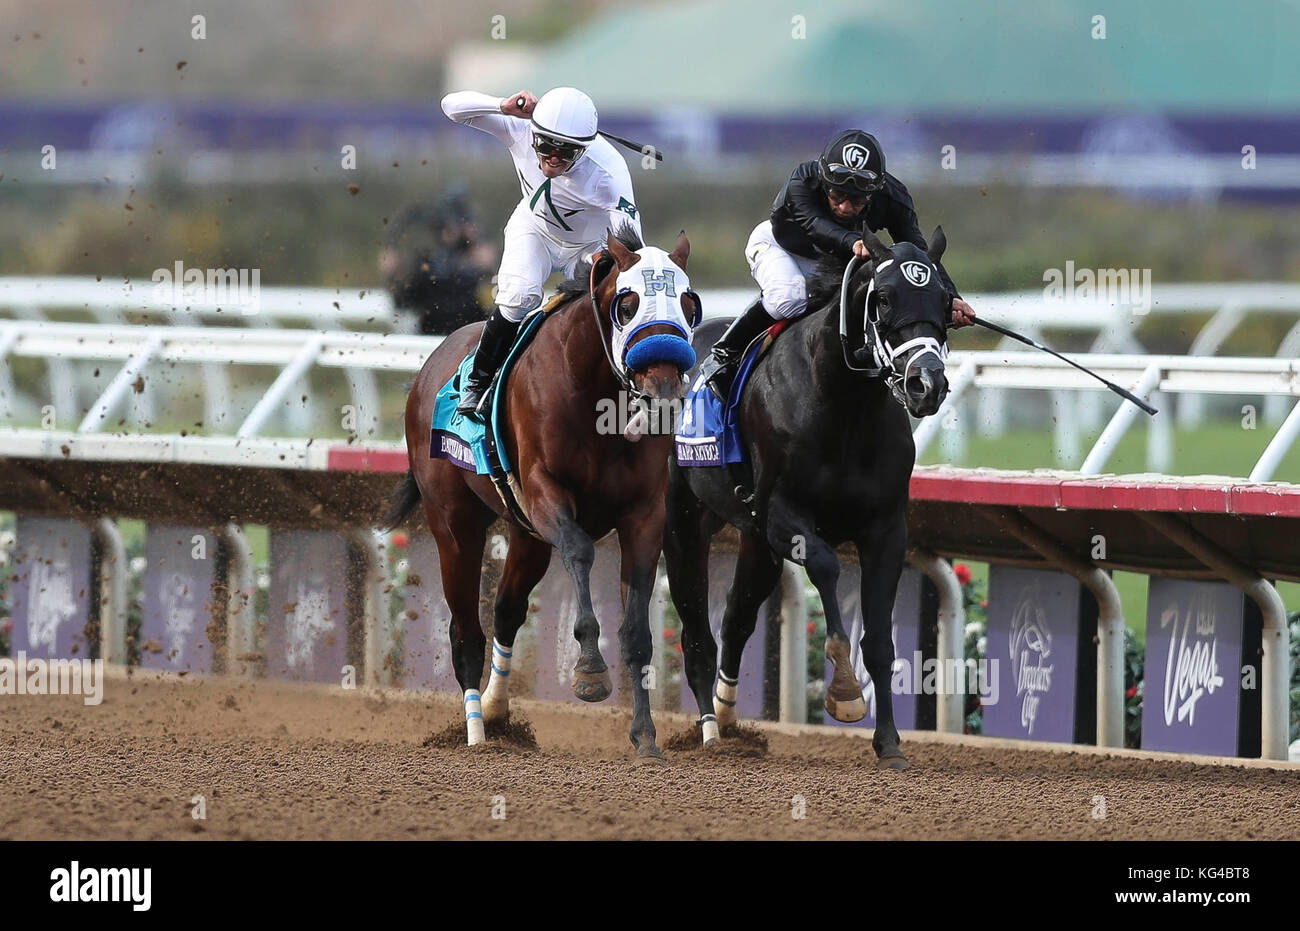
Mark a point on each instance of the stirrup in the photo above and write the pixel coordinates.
(465, 409)
(718, 374)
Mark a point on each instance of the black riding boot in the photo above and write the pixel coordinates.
(498, 334)
(720, 366)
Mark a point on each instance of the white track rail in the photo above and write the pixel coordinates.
(1112, 323)
(291, 354)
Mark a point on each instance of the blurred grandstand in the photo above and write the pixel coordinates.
(1139, 141)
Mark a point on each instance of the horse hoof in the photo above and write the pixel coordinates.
(726, 714)
(846, 712)
(648, 755)
(592, 686)
(494, 713)
(897, 763)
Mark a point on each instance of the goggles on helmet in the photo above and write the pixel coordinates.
(861, 180)
(548, 146)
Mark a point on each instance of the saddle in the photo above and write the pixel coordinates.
(709, 433)
(477, 445)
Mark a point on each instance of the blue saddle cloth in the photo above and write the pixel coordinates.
(708, 434)
(465, 441)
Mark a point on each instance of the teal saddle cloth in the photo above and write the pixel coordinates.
(476, 445)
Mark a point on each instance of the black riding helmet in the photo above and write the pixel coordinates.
(853, 162)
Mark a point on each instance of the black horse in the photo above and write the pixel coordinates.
(830, 458)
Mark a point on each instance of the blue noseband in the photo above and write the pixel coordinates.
(661, 347)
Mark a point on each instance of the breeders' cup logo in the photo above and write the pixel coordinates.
(180, 609)
(856, 156)
(917, 273)
(1030, 646)
(308, 618)
(1191, 671)
(50, 602)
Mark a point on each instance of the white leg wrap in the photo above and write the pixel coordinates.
(724, 700)
(496, 697)
(473, 716)
(709, 725)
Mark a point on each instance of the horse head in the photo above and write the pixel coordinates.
(652, 312)
(906, 309)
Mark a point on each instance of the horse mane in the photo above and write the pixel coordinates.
(825, 281)
(581, 280)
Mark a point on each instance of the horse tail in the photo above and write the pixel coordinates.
(403, 501)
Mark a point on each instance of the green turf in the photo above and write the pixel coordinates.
(1214, 448)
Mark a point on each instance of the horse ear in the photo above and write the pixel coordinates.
(682, 251)
(879, 251)
(624, 257)
(938, 243)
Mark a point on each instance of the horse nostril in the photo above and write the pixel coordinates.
(918, 385)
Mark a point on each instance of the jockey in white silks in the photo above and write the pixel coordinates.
(575, 188)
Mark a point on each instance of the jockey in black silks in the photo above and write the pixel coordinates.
(821, 211)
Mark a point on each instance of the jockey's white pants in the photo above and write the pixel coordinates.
(529, 257)
(781, 276)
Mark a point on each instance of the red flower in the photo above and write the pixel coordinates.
(669, 633)
(963, 573)
(400, 540)
(1132, 692)
(7, 626)
(984, 604)
(812, 627)
(679, 648)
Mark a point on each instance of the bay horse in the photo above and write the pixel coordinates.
(580, 479)
(831, 458)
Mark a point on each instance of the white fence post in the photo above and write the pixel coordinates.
(794, 646)
(1119, 424)
(112, 592)
(950, 705)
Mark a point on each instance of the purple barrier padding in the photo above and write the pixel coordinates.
(177, 598)
(139, 125)
(52, 588)
(306, 618)
(1191, 695)
(1033, 633)
(906, 627)
(557, 650)
(749, 691)
(426, 657)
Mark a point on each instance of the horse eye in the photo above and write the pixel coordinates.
(691, 306)
(626, 309)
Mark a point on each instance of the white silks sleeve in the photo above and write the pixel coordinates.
(481, 111)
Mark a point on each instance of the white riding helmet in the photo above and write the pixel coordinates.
(567, 117)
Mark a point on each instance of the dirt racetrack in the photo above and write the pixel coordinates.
(278, 760)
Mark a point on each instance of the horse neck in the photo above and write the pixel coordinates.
(830, 373)
(584, 350)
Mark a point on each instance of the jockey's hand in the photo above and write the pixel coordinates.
(962, 314)
(860, 250)
(510, 105)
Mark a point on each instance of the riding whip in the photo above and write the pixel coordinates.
(634, 146)
(1123, 393)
